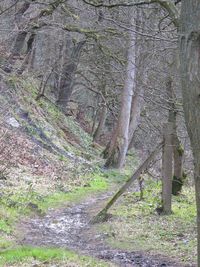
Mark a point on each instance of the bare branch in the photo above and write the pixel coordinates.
(165, 4)
(8, 8)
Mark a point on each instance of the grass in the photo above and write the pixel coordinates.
(116, 176)
(137, 226)
(45, 255)
(46, 113)
(97, 184)
(13, 206)
(15, 203)
(4, 226)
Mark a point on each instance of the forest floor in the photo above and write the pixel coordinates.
(70, 227)
(52, 183)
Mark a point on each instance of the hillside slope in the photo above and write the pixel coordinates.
(46, 157)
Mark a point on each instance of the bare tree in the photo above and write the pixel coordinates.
(119, 143)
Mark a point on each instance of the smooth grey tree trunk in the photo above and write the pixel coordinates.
(140, 77)
(119, 142)
(136, 107)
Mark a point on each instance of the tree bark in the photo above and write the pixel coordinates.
(167, 169)
(190, 73)
(68, 75)
(101, 123)
(27, 58)
(140, 77)
(136, 106)
(20, 38)
(119, 142)
(178, 150)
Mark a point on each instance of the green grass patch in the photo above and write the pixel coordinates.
(14, 205)
(137, 226)
(5, 243)
(27, 254)
(4, 226)
(97, 184)
(50, 108)
(116, 176)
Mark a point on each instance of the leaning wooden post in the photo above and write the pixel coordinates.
(167, 159)
(102, 215)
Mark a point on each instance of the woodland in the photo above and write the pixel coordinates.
(99, 133)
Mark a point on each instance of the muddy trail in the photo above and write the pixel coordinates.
(69, 227)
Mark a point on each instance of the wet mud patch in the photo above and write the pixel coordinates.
(70, 228)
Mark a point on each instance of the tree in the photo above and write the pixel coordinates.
(188, 25)
(120, 140)
(178, 151)
(68, 73)
(167, 169)
(190, 72)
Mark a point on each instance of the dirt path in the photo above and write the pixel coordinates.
(69, 227)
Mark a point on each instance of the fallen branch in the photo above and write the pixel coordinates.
(102, 215)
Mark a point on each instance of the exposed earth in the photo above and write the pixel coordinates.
(70, 227)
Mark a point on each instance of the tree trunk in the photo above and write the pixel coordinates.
(21, 35)
(18, 44)
(101, 123)
(19, 40)
(190, 73)
(119, 142)
(140, 77)
(27, 58)
(178, 178)
(18, 15)
(136, 106)
(167, 169)
(178, 151)
(68, 75)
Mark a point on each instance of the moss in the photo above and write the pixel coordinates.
(50, 108)
(180, 150)
(30, 129)
(12, 80)
(30, 85)
(177, 183)
(89, 33)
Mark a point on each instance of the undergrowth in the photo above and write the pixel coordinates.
(76, 179)
(14, 205)
(143, 229)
